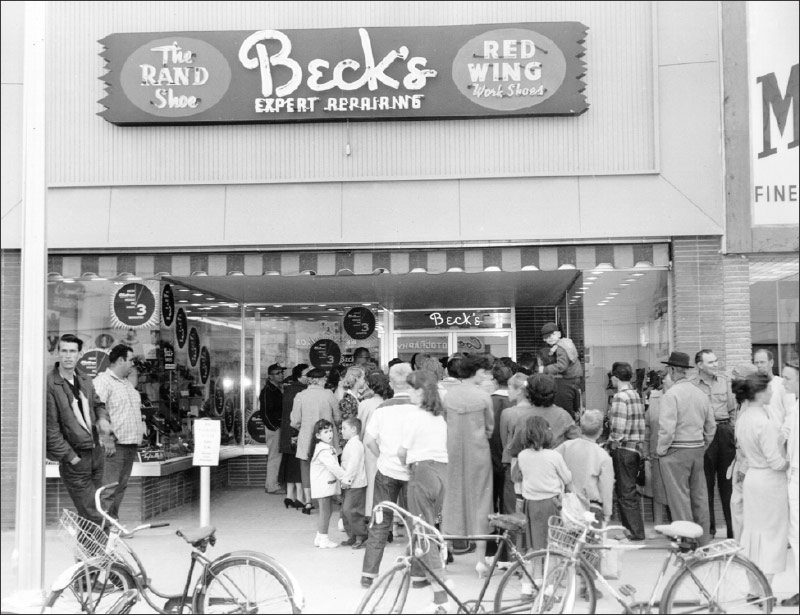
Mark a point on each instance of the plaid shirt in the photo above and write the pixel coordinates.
(124, 405)
(627, 420)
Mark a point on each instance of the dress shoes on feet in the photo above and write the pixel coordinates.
(366, 581)
(349, 542)
(359, 544)
(793, 601)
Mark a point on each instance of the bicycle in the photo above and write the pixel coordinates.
(715, 578)
(110, 578)
(516, 589)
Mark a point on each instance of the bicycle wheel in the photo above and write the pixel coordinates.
(732, 585)
(388, 593)
(244, 585)
(100, 595)
(517, 594)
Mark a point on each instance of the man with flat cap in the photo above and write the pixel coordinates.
(270, 405)
(686, 428)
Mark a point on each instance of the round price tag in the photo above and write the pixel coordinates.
(324, 354)
(359, 323)
(134, 305)
(92, 363)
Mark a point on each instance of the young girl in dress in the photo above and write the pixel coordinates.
(325, 475)
(545, 477)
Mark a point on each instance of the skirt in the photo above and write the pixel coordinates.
(290, 469)
(538, 513)
(765, 524)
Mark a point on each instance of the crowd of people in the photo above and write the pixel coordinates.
(457, 441)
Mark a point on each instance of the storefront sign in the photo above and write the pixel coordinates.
(454, 319)
(774, 88)
(194, 346)
(206, 442)
(167, 305)
(264, 76)
(92, 363)
(205, 364)
(417, 345)
(181, 328)
(325, 354)
(359, 323)
(134, 306)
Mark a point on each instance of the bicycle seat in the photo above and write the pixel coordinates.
(680, 529)
(196, 535)
(513, 523)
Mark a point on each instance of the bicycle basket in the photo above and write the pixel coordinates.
(85, 538)
(562, 538)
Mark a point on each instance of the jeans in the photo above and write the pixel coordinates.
(685, 483)
(117, 470)
(272, 439)
(425, 498)
(626, 466)
(718, 458)
(355, 524)
(386, 488)
(83, 479)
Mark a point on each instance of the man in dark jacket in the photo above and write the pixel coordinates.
(271, 408)
(77, 426)
(567, 364)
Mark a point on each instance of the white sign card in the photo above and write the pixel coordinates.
(206, 442)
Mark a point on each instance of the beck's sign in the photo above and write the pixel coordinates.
(432, 72)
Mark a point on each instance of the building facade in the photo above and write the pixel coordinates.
(217, 242)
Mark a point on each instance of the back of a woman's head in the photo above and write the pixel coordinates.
(351, 377)
(422, 380)
(518, 382)
(430, 364)
(541, 390)
(471, 364)
(501, 373)
(747, 388)
(538, 434)
(378, 382)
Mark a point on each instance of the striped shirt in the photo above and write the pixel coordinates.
(124, 404)
(627, 420)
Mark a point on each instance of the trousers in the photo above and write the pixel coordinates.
(684, 480)
(794, 488)
(386, 488)
(355, 524)
(626, 466)
(83, 479)
(273, 459)
(718, 458)
(425, 499)
(118, 470)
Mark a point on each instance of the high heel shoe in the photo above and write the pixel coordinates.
(307, 509)
(482, 570)
(287, 502)
(298, 504)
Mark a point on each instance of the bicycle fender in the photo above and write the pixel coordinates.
(296, 593)
(63, 579)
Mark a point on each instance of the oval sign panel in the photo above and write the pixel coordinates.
(194, 346)
(167, 305)
(205, 364)
(175, 77)
(181, 328)
(509, 69)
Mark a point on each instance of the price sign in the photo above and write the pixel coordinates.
(194, 346)
(359, 323)
(169, 356)
(324, 353)
(205, 364)
(255, 428)
(181, 328)
(206, 442)
(134, 305)
(92, 363)
(167, 305)
(152, 455)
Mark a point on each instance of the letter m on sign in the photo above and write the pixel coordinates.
(771, 99)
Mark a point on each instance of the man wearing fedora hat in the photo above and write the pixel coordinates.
(686, 428)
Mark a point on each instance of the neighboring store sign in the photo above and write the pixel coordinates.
(93, 362)
(134, 306)
(425, 72)
(194, 346)
(205, 364)
(325, 354)
(359, 323)
(454, 319)
(181, 328)
(774, 87)
(167, 305)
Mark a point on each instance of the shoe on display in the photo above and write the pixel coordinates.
(793, 601)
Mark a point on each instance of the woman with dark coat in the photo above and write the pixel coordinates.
(289, 473)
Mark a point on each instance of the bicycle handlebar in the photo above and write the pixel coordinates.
(114, 522)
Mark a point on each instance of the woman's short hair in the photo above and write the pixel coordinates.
(749, 387)
(297, 371)
(351, 377)
(426, 382)
(541, 390)
(426, 362)
(378, 382)
(518, 382)
(472, 363)
(538, 434)
(501, 373)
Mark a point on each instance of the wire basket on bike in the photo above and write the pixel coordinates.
(85, 538)
(562, 538)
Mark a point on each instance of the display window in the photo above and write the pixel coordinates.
(775, 306)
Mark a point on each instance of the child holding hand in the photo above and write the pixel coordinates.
(325, 474)
(354, 484)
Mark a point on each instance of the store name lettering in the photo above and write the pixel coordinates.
(348, 75)
(173, 76)
(460, 320)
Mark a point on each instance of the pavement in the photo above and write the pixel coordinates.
(250, 519)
